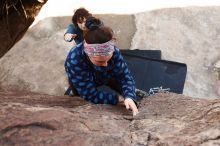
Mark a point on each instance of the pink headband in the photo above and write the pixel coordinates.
(104, 49)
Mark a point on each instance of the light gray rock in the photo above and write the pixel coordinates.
(123, 27)
(36, 63)
(190, 35)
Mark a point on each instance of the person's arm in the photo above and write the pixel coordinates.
(126, 82)
(124, 77)
(70, 33)
(82, 80)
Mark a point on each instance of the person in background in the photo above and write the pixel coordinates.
(77, 28)
(97, 61)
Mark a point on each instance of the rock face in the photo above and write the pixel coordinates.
(123, 27)
(38, 60)
(15, 18)
(189, 35)
(164, 119)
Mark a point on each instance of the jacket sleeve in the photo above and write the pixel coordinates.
(124, 77)
(71, 29)
(82, 79)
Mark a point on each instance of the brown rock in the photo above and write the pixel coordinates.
(164, 119)
(15, 18)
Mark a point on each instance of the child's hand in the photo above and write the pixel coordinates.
(69, 36)
(129, 103)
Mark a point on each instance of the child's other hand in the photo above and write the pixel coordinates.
(68, 37)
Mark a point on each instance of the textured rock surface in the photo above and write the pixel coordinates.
(190, 35)
(36, 63)
(164, 119)
(123, 27)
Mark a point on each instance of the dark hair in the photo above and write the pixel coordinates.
(80, 14)
(97, 33)
(93, 23)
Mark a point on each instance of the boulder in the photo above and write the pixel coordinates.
(164, 119)
(189, 35)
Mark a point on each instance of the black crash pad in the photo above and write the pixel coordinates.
(150, 73)
(154, 54)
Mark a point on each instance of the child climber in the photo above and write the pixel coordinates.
(76, 30)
